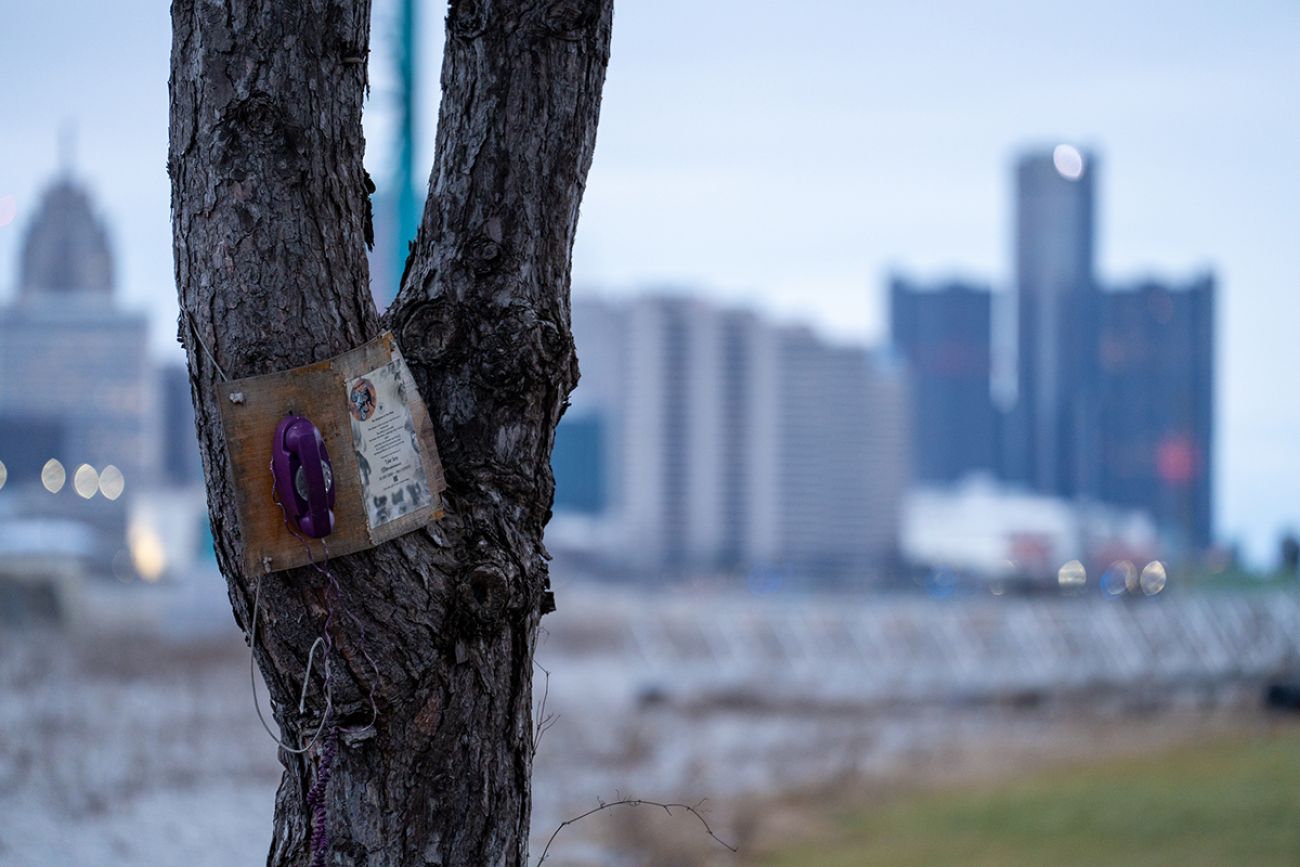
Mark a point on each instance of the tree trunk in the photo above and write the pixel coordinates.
(270, 215)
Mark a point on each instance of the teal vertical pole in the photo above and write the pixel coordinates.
(408, 206)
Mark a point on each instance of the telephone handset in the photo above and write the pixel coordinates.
(304, 477)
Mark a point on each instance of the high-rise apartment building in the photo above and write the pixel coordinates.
(731, 443)
(842, 455)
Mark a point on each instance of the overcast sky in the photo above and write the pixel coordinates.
(787, 155)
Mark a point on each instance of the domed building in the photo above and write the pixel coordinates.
(76, 384)
(66, 247)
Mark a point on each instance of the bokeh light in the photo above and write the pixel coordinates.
(1154, 577)
(4, 474)
(85, 481)
(1068, 161)
(1072, 575)
(53, 475)
(8, 210)
(111, 482)
(1119, 579)
(1131, 582)
(147, 554)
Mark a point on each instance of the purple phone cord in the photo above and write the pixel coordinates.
(320, 836)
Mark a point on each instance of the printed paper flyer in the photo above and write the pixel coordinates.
(393, 480)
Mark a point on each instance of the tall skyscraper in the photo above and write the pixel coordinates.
(1057, 316)
(1156, 424)
(944, 334)
(1114, 394)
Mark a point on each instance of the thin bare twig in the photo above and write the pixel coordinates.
(637, 802)
(544, 720)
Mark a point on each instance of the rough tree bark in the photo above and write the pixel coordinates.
(270, 215)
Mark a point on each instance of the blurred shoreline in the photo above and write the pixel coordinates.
(121, 747)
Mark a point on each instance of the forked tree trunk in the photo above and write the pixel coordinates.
(270, 218)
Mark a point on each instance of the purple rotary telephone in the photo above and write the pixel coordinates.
(304, 477)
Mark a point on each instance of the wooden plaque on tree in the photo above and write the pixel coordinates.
(387, 476)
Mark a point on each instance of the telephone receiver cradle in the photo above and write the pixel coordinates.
(304, 476)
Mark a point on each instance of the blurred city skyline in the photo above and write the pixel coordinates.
(792, 162)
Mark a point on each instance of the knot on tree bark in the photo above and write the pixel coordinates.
(257, 131)
(428, 330)
(467, 18)
(508, 362)
(569, 19)
(520, 353)
(484, 254)
(486, 597)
